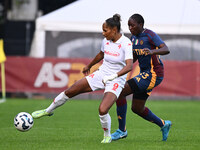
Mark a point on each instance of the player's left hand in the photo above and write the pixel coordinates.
(147, 51)
(109, 78)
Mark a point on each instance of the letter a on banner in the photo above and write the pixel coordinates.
(3, 83)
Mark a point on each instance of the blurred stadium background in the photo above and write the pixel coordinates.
(47, 43)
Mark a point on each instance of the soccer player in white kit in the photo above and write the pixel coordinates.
(116, 52)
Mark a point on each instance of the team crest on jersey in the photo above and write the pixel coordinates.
(141, 42)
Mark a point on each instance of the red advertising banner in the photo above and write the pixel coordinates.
(182, 78)
(53, 75)
(39, 75)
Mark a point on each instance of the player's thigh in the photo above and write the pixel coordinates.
(95, 80)
(126, 91)
(81, 86)
(109, 99)
(140, 95)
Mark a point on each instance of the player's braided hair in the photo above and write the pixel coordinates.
(114, 22)
(138, 18)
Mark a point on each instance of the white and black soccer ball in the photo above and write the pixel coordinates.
(23, 121)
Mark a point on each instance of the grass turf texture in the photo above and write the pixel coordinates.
(76, 126)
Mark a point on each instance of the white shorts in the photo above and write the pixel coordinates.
(95, 81)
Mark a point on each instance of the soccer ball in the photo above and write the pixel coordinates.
(23, 121)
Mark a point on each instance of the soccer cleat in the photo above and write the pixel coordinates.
(106, 139)
(165, 129)
(40, 113)
(119, 135)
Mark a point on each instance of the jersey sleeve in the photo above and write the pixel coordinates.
(102, 45)
(157, 40)
(128, 49)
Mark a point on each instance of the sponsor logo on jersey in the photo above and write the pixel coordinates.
(139, 51)
(116, 54)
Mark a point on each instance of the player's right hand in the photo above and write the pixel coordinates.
(86, 70)
(147, 51)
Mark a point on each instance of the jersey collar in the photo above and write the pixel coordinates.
(120, 39)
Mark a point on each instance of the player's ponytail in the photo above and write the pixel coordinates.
(117, 17)
(114, 22)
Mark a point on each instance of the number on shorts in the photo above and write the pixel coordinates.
(145, 75)
(115, 86)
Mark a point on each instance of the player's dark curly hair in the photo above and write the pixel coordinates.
(114, 22)
(138, 18)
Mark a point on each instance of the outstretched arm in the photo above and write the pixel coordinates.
(98, 58)
(163, 50)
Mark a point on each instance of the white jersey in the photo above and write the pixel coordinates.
(115, 55)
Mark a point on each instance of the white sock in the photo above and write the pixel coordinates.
(58, 101)
(106, 123)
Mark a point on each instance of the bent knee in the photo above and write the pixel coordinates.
(102, 110)
(133, 110)
(136, 110)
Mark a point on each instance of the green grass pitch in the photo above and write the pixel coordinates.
(76, 126)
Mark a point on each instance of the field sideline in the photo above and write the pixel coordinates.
(76, 126)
